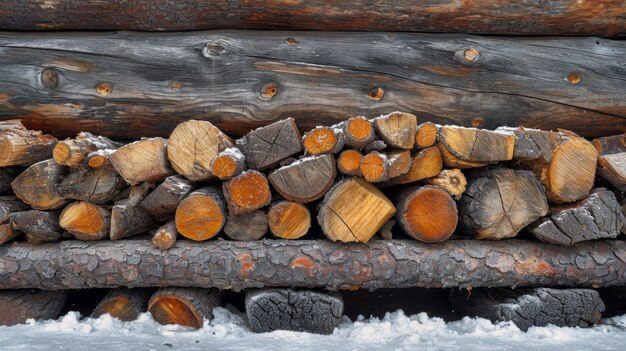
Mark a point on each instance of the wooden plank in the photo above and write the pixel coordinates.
(119, 83)
(239, 265)
(565, 17)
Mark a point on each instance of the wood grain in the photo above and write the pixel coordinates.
(240, 80)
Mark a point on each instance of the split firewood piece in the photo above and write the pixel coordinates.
(425, 163)
(163, 201)
(451, 161)
(528, 307)
(305, 180)
(23, 147)
(613, 168)
(143, 161)
(228, 163)
(500, 202)
(72, 152)
(288, 220)
(599, 216)
(375, 167)
(349, 162)
(564, 162)
(18, 306)
(37, 185)
(86, 221)
(188, 307)
(10, 204)
(353, 211)
(39, 226)
(7, 175)
(322, 140)
(451, 180)
(193, 145)
(128, 218)
(400, 162)
(426, 135)
(311, 311)
(201, 215)
(359, 132)
(426, 213)
(376, 145)
(266, 146)
(397, 129)
(100, 158)
(165, 237)
(247, 192)
(609, 145)
(97, 186)
(477, 145)
(248, 226)
(123, 303)
(7, 233)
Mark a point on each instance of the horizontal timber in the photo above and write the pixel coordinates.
(311, 263)
(117, 83)
(554, 17)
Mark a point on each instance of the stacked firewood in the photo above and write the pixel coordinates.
(357, 178)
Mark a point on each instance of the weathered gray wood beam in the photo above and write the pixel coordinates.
(311, 263)
(128, 84)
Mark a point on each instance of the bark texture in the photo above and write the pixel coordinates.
(312, 263)
(19, 305)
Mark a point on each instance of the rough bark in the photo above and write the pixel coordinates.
(127, 218)
(598, 216)
(7, 174)
(39, 226)
(193, 145)
(228, 163)
(238, 265)
(562, 17)
(296, 310)
(451, 180)
(8, 205)
(426, 213)
(188, 307)
(165, 237)
(98, 186)
(164, 199)
(613, 144)
(86, 221)
(353, 210)
(349, 162)
(201, 215)
(531, 307)
(20, 305)
(305, 180)
(123, 304)
(142, 161)
(428, 75)
(425, 163)
(36, 186)
(73, 152)
(397, 129)
(249, 226)
(288, 220)
(247, 192)
(23, 147)
(266, 146)
(426, 135)
(499, 203)
(477, 145)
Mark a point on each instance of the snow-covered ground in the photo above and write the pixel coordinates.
(228, 331)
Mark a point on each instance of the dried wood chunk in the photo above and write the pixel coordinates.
(86, 221)
(305, 180)
(349, 162)
(477, 145)
(613, 144)
(36, 186)
(188, 307)
(127, 218)
(8, 205)
(359, 132)
(193, 145)
(164, 199)
(500, 202)
(165, 237)
(426, 135)
(249, 226)
(7, 233)
(123, 303)
(426, 213)
(266, 146)
(39, 226)
(353, 211)
(247, 192)
(599, 216)
(201, 215)
(375, 167)
(451, 180)
(73, 152)
(142, 161)
(451, 161)
(23, 147)
(288, 220)
(613, 168)
(228, 163)
(321, 140)
(425, 163)
(98, 186)
(397, 129)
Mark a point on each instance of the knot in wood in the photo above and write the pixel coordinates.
(291, 41)
(477, 122)
(573, 78)
(376, 93)
(268, 91)
(104, 89)
(470, 54)
(50, 78)
(175, 85)
(212, 49)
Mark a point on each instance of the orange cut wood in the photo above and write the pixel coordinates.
(288, 220)
(349, 162)
(247, 192)
(426, 213)
(201, 215)
(321, 140)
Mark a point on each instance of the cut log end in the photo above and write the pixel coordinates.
(143, 161)
(359, 132)
(86, 221)
(249, 226)
(427, 213)
(247, 192)
(425, 164)
(451, 180)
(319, 141)
(426, 135)
(22, 147)
(228, 163)
(123, 303)
(288, 220)
(477, 145)
(188, 307)
(397, 129)
(268, 145)
(37, 185)
(305, 180)
(574, 159)
(375, 167)
(349, 162)
(165, 237)
(201, 215)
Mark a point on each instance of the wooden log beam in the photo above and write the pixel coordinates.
(239, 265)
(565, 17)
(115, 83)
